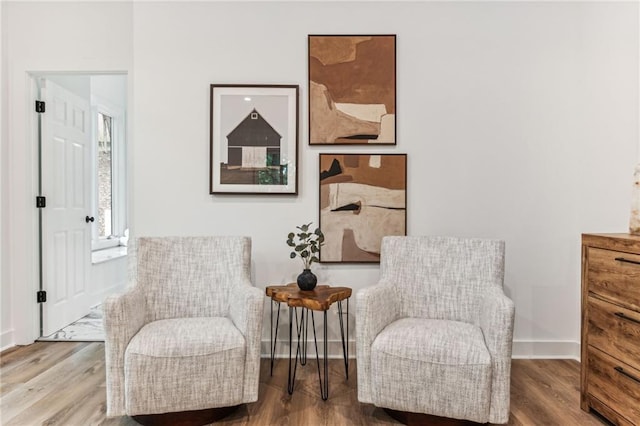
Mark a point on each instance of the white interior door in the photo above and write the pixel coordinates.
(66, 178)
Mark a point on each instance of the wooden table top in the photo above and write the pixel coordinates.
(318, 299)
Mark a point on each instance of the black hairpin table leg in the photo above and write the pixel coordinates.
(324, 384)
(345, 344)
(274, 339)
(301, 347)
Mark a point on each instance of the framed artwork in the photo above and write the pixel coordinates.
(254, 139)
(352, 89)
(363, 197)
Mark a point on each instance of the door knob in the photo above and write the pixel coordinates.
(89, 219)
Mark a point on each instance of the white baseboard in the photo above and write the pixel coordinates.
(522, 349)
(6, 340)
(546, 349)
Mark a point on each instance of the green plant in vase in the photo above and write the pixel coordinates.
(306, 245)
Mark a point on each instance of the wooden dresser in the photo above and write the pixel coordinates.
(610, 381)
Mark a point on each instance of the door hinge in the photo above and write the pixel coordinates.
(41, 202)
(39, 106)
(41, 296)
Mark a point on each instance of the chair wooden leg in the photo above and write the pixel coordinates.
(419, 419)
(185, 418)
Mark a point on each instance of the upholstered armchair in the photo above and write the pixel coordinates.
(187, 336)
(434, 336)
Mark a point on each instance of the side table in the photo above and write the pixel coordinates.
(319, 299)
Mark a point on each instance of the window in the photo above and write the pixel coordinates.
(109, 186)
(105, 172)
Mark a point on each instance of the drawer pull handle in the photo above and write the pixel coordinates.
(622, 259)
(623, 316)
(624, 373)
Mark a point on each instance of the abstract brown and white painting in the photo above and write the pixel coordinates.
(352, 89)
(362, 199)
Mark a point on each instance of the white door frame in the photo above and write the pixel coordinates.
(26, 319)
(31, 310)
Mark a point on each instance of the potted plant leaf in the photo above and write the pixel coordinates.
(306, 245)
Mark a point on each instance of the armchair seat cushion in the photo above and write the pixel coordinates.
(432, 366)
(180, 337)
(202, 363)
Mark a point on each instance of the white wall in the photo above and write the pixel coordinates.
(6, 330)
(520, 121)
(113, 88)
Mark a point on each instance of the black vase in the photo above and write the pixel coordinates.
(307, 280)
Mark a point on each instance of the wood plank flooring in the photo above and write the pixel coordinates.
(62, 383)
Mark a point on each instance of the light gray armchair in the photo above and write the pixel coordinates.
(435, 335)
(187, 336)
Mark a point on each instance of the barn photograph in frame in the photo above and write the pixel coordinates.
(352, 89)
(254, 139)
(363, 197)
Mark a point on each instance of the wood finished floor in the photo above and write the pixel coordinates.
(62, 383)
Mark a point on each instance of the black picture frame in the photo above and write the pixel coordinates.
(352, 89)
(362, 198)
(254, 139)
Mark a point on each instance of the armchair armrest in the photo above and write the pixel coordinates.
(496, 318)
(376, 308)
(123, 318)
(246, 305)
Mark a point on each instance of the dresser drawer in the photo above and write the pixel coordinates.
(615, 384)
(614, 330)
(614, 276)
